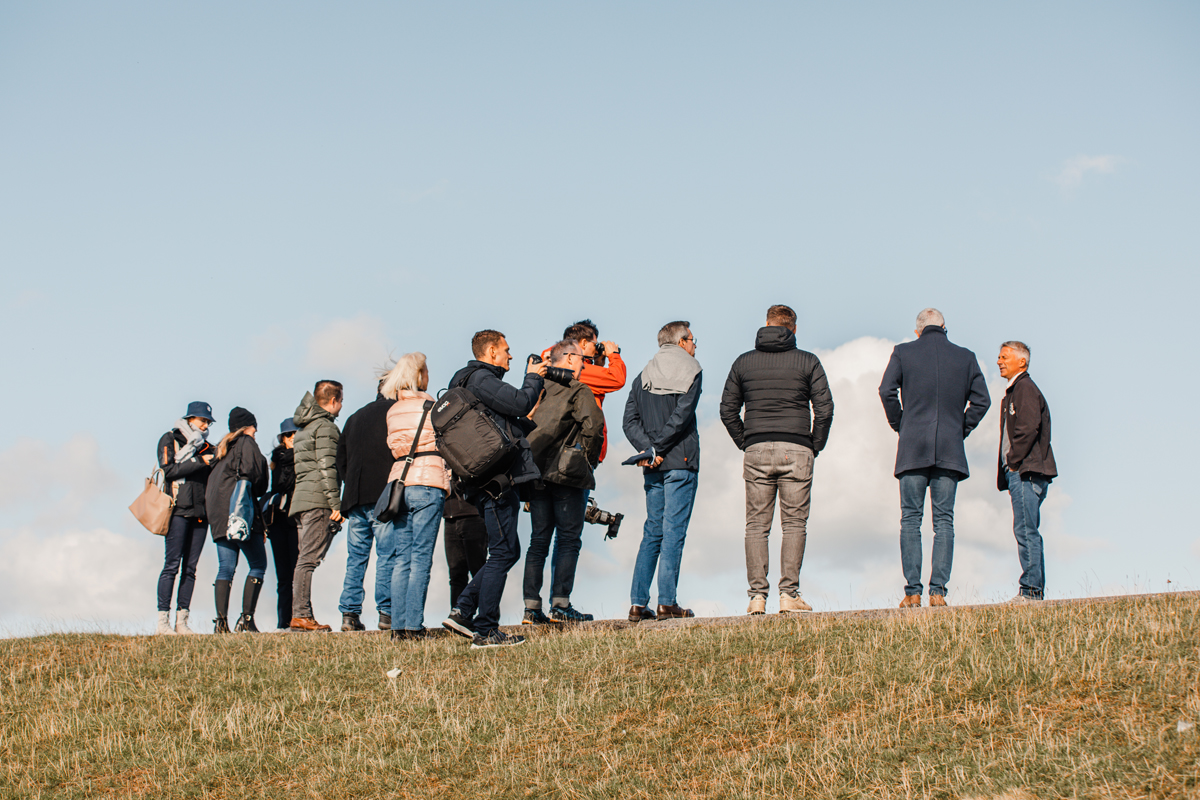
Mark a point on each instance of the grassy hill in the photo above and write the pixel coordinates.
(1060, 701)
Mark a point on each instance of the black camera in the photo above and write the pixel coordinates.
(597, 516)
(334, 528)
(556, 374)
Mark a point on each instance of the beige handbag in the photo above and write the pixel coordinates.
(153, 506)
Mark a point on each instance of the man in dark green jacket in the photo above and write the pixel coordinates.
(316, 501)
(566, 448)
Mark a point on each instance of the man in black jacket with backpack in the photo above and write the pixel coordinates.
(477, 612)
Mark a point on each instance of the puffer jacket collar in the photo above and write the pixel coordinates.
(308, 411)
(774, 339)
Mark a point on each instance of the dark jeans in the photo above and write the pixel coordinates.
(227, 556)
(670, 496)
(285, 549)
(1027, 493)
(314, 540)
(560, 508)
(942, 485)
(481, 598)
(466, 543)
(184, 541)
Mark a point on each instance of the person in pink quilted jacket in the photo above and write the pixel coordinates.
(425, 488)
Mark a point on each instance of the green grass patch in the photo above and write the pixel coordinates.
(1061, 701)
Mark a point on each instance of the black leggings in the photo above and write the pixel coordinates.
(285, 549)
(185, 539)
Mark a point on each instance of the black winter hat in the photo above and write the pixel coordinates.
(241, 418)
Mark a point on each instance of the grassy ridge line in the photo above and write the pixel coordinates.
(1052, 701)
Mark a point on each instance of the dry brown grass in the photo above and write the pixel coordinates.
(1012, 703)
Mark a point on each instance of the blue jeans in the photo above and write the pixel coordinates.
(227, 556)
(361, 528)
(669, 499)
(504, 550)
(1027, 493)
(413, 536)
(181, 547)
(942, 484)
(555, 507)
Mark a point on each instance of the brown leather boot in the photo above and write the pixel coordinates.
(307, 624)
(911, 601)
(674, 612)
(937, 601)
(640, 613)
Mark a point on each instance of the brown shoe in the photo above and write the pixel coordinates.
(911, 601)
(639, 613)
(307, 624)
(674, 612)
(937, 601)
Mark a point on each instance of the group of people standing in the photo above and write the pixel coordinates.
(776, 405)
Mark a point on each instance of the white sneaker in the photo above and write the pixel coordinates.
(164, 624)
(758, 605)
(789, 604)
(1020, 600)
(181, 621)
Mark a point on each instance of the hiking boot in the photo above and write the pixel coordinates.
(789, 604)
(534, 616)
(675, 612)
(1022, 600)
(640, 613)
(163, 628)
(458, 624)
(220, 625)
(307, 624)
(181, 622)
(403, 634)
(911, 601)
(568, 613)
(937, 601)
(351, 622)
(385, 621)
(496, 638)
(245, 624)
(758, 605)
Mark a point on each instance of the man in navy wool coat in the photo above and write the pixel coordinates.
(934, 395)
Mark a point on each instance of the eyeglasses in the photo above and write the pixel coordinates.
(691, 339)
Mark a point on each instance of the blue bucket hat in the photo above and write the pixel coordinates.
(288, 426)
(201, 410)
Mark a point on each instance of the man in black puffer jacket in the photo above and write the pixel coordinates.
(777, 383)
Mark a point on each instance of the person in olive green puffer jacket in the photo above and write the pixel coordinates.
(317, 498)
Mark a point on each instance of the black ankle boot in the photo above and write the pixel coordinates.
(245, 622)
(221, 595)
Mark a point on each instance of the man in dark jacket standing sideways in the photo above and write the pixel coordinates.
(476, 614)
(1026, 464)
(363, 462)
(934, 395)
(777, 383)
(566, 448)
(660, 420)
(317, 499)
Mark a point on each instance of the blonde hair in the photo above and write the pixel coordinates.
(227, 440)
(402, 379)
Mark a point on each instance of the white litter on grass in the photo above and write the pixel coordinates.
(393, 673)
(1184, 727)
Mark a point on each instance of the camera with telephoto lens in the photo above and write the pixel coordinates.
(597, 516)
(556, 374)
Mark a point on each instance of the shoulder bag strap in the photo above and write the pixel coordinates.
(412, 451)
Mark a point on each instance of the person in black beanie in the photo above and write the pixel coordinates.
(238, 459)
(281, 528)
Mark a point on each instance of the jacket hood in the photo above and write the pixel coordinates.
(308, 411)
(774, 339)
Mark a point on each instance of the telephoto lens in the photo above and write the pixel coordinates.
(597, 516)
(556, 374)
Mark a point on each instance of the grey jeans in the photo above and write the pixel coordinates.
(786, 469)
(313, 539)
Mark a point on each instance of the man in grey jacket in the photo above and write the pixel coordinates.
(934, 395)
(316, 502)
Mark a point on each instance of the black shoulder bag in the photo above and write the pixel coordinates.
(390, 504)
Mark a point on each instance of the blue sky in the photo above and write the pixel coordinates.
(225, 203)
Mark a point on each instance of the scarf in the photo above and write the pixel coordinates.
(194, 439)
(671, 371)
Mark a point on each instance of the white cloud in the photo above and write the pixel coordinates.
(1074, 169)
(349, 346)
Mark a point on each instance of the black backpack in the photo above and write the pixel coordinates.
(474, 447)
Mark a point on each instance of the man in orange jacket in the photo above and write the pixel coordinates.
(601, 377)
